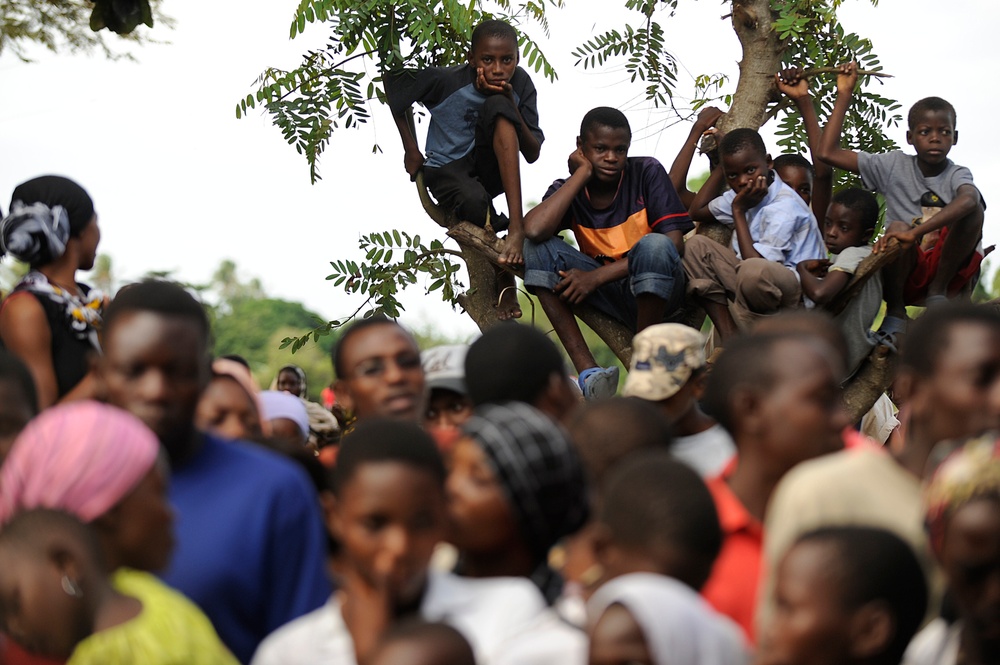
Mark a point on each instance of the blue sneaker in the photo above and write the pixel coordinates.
(599, 382)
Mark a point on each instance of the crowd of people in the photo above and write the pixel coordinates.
(486, 503)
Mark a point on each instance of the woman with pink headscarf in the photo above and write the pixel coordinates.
(104, 466)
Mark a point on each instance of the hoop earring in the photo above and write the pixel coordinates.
(71, 588)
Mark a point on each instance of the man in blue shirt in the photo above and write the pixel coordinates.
(251, 548)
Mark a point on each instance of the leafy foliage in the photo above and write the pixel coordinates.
(381, 279)
(815, 40)
(248, 327)
(988, 286)
(643, 47)
(333, 86)
(72, 25)
(812, 38)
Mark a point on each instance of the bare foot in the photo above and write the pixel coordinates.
(513, 248)
(508, 306)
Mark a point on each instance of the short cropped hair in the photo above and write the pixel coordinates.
(158, 296)
(604, 116)
(493, 28)
(358, 326)
(747, 361)
(860, 201)
(605, 431)
(379, 440)
(652, 501)
(31, 529)
(793, 161)
(873, 564)
(806, 324)
(511, 362)
(740, 139)
(930, 104)
(444, 641)
(929, 334)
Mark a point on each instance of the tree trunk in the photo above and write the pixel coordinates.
(871, 380)
(762, 51)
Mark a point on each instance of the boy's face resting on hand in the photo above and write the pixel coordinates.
(842, 228)
(494, 59)
(932, 136)
(606, 148)
(744, 166)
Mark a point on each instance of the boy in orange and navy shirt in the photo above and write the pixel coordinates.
(629, 224)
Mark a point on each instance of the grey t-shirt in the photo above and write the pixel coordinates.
(857, 318)
(896, 176)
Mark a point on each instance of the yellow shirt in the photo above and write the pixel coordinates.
(169, 630)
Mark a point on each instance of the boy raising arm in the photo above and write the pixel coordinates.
(917, 277)
(484, 115)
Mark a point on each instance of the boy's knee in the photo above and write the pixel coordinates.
(654, 252)
(699, 245)
(499, 118)
(499, 106)
(971, 223)
(766, 286)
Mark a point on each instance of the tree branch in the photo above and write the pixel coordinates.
(834, 70)
(868, 268)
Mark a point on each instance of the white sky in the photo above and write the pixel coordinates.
(180, 183)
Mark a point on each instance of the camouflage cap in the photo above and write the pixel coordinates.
(444, 367)
(663, 358)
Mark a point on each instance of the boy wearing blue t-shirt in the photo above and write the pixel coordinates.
(484, 116)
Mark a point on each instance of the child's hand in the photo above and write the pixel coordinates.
(577, 160)
(413, 161)
(487, 88)
(576, 285)
(366, 606)
(847, 78)
(751, 194)
(905, 238)
(791, 83)
(707, 118)
(817, 267)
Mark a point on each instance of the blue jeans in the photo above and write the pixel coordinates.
(654, 267)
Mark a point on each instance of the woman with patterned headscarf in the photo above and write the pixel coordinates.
(516, 488)
(963, 522)
(51, 321)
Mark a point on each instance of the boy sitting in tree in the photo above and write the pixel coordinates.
(483, 114)
(918, 276)
(847, 229)
(773, 230)
(629, 224)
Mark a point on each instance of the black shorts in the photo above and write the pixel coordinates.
(468, 185)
